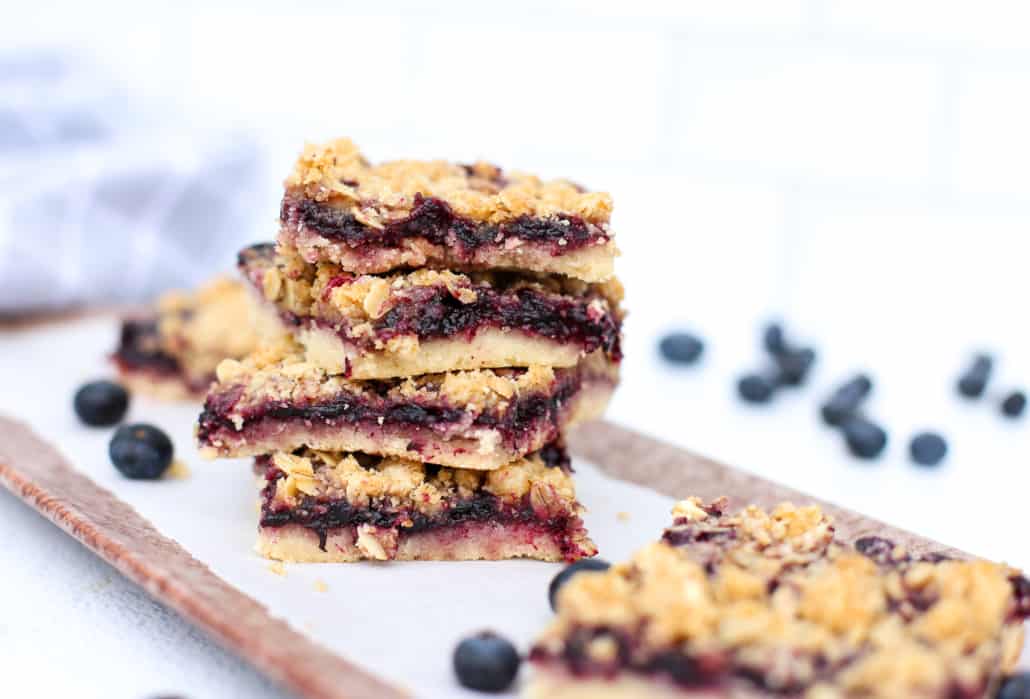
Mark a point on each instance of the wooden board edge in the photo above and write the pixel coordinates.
(35, 472)
(631, 456)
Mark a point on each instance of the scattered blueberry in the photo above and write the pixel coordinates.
(928, 448)
(864, 438)
(140, 451)
(755, 388)
(773, 339)
(586, 564)
(974, 380)
(1016, 687)
(681, 348)
(101, 403)
(794, 365)
(486, 662)
(845, 401)
(1013, 404)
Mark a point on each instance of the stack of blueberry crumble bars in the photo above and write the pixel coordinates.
(759, 603)
(438, 328)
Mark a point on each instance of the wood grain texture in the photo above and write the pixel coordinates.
(34, 471)
(634, 457)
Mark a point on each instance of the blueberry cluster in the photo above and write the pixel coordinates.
(138, 451)
(790, 367)
(972, 384)
(842, 409)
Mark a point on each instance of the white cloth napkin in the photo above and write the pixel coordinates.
(106, 199)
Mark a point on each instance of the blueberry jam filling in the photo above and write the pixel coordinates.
(433, 219)
(718, 670)
(555, 456)
(433, 313)
(322, 515)
(882, 551)
(139, 349)
(516, 424)
(708, 671)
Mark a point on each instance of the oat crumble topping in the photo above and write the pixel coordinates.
(190, 333)
(774, 595)
(337, 172)
(207, 325)
(401, 484)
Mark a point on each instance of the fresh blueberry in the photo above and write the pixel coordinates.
(864, 438)
(756, 388)
(1016, 687)
(773, 339)
(794, 365)
(101, 403)
(486, 662)
(1014, 404)
(845, 401)
(928, 448)
(586, 564)
(140, 451)
(681, 348)
(974, 379)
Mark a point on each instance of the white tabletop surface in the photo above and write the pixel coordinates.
(113, 641)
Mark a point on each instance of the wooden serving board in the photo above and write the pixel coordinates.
(35, 471)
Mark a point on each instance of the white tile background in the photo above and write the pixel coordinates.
(857, 167)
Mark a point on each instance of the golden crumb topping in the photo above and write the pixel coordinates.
(400, 484)
(337, 172)
(775, 596)
(277, 371)
(203, 327)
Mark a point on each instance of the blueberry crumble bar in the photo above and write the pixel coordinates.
(772, 604)
(371, 219)
(173, 351)
(319, 506)
(275, 400)
(426, 321)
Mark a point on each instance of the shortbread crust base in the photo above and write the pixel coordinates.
(469, 541)
(490, 348)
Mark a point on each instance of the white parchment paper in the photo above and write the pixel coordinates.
(399, 620)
